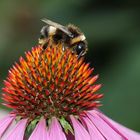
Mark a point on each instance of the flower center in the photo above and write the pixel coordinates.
(49, 83)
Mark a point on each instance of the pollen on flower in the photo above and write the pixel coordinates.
(49, 83)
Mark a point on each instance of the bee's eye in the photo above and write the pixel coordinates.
(80, 47)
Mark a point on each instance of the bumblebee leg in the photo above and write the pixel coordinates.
(80, 55)
(44, 47)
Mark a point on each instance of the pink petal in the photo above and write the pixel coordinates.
(5, 123)
(104, 128)
(93, 131)
(130, 134)
(18, 132)
(79, 130)
(55, 131)
(40, 132)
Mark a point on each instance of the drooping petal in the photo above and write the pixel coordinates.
(17, 133)
(130, 134)
(40, 132)
(5, 122)
(93, 131)
(104, 128)
(79, 130)
(55, 131)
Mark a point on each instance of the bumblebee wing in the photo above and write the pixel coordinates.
(56, 25)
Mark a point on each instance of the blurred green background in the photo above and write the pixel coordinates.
(112, 28)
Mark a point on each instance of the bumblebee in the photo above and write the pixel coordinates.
(70, 36)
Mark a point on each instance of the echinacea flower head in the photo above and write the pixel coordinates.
(53, 97)
(50, 83)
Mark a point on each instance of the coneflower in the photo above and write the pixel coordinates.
(53, 97)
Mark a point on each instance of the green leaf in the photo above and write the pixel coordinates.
(31, 126)
(65, 124)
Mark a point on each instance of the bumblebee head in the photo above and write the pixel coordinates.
(78, 40)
